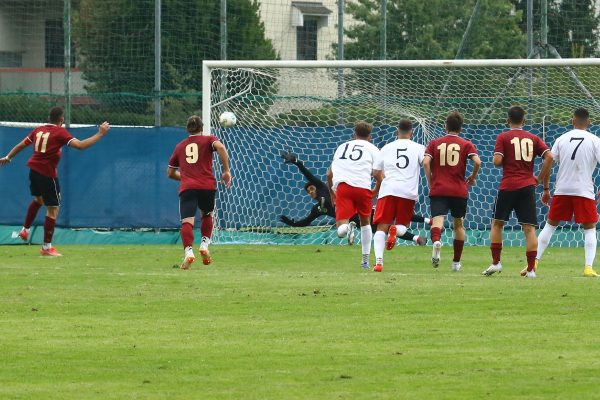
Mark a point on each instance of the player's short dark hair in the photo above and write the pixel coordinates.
(194, 124)
(405, 125)
(307, 185)
(56, 114)
(454, 122)
(516, 115)
(363, 129)
(581, 114)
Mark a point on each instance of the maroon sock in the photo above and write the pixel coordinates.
(436, 234)
(32, 211)
(458, 248)
(187, 234)
(207, 226)
(496, 250)
(49, 224)
(531, 259)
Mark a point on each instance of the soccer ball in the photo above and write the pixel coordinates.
(227, 119)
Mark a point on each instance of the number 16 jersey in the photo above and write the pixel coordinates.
(449, 155)
(401, 163)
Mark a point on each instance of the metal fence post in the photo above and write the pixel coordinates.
(157, 62)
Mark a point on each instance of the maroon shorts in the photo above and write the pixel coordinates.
(393, 208)
(563, 207)
(350, 200)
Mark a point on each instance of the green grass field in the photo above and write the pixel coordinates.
(294, 322)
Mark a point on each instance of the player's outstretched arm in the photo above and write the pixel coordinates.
(309, 175)
(224, 157)
(476, 166)
(13, 152)
(314, 214)
(92, 140)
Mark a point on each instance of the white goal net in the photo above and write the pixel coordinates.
(310, 107)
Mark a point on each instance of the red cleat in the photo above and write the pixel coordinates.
(378, 268)
(24, 235)
(391, 239)
(50, 252)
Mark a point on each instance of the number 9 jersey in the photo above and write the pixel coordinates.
(401, 163)
(193, 157)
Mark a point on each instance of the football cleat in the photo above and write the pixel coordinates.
(435, 254)
(524, 270)
(188, 259)
(391, 239)
(456, 266)
(530, 274)
(378, 268)
(421, 240)
(364, 265)
(351, 232)
(24, 234)
(206, 259)
(492, 269)
(50, 252)
(589, 272)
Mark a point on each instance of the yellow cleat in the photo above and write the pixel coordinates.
(524, 270)
(589, 272)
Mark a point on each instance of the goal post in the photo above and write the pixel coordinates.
(310, 107)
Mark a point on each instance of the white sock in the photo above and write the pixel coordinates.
(47, 246)
(416, 238)
(401, 230)
(544, 239)
(366, 235)
(427, 220)
(590, 246)
(188, 249)
(206, 239)
(342, 230)
(26, 229)
(379, 245)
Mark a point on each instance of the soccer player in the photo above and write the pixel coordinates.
(577, 153)
(314, 188)
(48, 141)
(349, 182)
(191, 163)
(399, 164)
(515, 152)
(445, 165)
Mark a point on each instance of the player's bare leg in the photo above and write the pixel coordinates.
(495, 247)
(49, 224)
(187, 238)
(458, 244)
(366, 236)
(345, 228)
(32, 212)
(379, 245)
(206, 229)
(436, 237)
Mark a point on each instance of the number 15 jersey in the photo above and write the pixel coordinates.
(577, 153)
(353, 163)
(449, 155)
(401, 163)
(193, 157)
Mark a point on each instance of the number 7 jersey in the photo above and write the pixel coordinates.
(401, 163)
(577, 153)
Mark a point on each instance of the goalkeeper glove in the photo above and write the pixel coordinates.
(286, 220)
(289, 157)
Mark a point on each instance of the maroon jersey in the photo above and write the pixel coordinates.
(518, 149)
(449, 155)
(194, 158)
(48, 141)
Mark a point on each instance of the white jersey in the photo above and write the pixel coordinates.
(401, 163)
(353, 164)
(577, 153)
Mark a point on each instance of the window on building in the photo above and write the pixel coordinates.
(10, 59)
(55, 49)
(306, 39)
